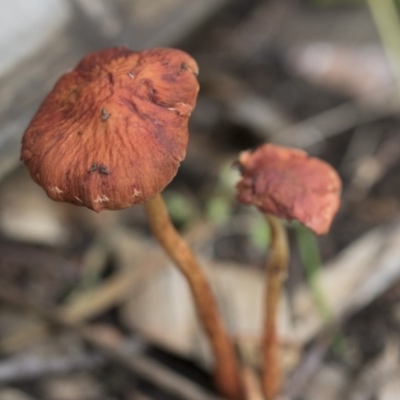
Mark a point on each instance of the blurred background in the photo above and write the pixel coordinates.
(321, 75)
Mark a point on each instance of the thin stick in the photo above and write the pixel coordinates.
(227, 375)
(276, 274)
(251, 383)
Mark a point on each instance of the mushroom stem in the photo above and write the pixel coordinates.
(276, 267)
(227, 375)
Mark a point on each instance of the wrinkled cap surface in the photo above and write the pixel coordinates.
(289, 184)
(114, 130)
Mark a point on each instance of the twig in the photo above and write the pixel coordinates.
(243, 106)
(250, 376)
(348, 115)
(251, 383)
(309, 364)
(141, 365)
(27, 367)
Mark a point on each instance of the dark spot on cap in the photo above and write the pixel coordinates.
(104, 170)
(185, 67)
(94, 167)
(110, 77)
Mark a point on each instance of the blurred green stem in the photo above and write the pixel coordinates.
(311, 260)
(385, 15)
(310, 257)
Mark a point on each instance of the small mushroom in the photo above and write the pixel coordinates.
(111, 134)
(284, 183)
(291, 185)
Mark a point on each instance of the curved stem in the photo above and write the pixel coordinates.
(227, 375)
(276, 274)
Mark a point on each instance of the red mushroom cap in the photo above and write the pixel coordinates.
(289, 184)
(113, 131)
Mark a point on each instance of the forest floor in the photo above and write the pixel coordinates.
(90, 308)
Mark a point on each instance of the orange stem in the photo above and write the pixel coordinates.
(227, 373)
(276, 267)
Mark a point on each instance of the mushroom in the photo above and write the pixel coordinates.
(284, 183)
(111, 134)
